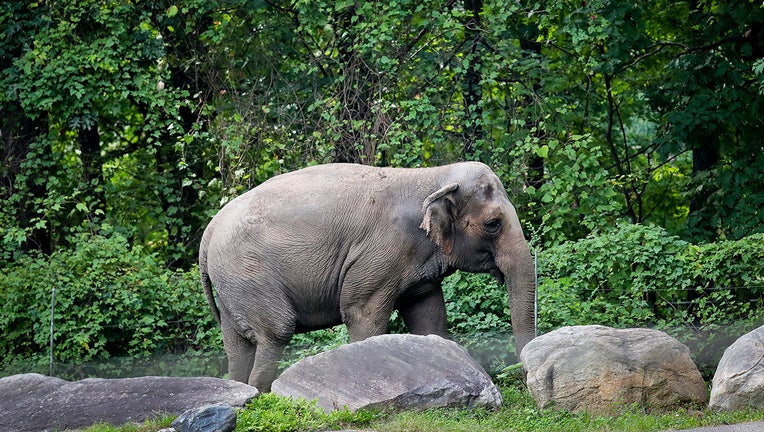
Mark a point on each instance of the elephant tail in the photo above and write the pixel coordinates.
(206, 282)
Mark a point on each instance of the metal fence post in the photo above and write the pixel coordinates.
(536, 292)
(52, 311)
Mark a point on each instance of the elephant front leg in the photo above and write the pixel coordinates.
(424, 310)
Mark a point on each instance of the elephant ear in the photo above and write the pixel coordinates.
(438, 220)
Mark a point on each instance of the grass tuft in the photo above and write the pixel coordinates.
(273, 413)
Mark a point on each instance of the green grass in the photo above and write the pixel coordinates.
(530, 419)
(272, 413)
(152, 425)
(519, 413)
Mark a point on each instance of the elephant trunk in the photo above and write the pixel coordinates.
(520, 276)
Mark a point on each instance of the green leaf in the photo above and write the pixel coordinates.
(543, 151)
(343, 4)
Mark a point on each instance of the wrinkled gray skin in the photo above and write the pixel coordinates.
(349, 244)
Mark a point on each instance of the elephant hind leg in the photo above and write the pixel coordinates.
(266, 366)
(240, 352)
(253, 363)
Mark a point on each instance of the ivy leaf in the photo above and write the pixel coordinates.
(342, 5)
(543, 151)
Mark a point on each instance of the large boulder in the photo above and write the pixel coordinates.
(391, 372)
(739, 379)
(598, 369)
(33, 402)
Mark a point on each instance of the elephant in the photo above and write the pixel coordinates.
(349, 244)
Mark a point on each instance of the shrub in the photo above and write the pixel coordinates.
(110, 299)
(616, 278)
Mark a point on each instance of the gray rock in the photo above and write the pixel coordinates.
(210, 418)
(598, 369)
(393, 372)
(741, 427)
(33, 402)
(739, 379)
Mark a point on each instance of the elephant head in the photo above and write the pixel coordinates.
(478, 230)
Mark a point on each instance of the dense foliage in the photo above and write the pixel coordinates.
(641, 274)
(627, 133)
(110, 299)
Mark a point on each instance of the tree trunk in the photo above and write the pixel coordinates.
(183, 219)
(355, 92)
(705, 144)
(92, 166)
(473, 93)
(22, 137)
(704, 157)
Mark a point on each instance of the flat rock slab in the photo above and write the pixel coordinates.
(33, 402)
(599, 369)
(391, 372)
(739, 379)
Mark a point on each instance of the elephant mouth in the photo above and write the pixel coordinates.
(497, 274)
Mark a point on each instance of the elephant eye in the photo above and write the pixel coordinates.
(492, 226)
